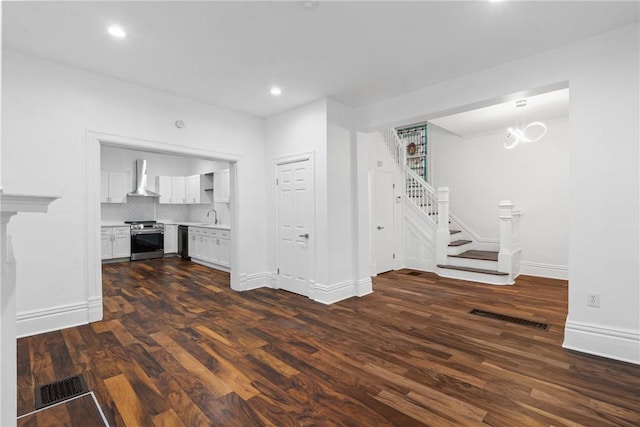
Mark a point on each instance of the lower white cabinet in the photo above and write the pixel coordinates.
(170, 238)
(115, 242)
(210, 246)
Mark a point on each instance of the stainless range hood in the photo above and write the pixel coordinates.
(141, 181)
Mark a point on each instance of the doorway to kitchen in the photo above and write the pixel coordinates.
(95, 142)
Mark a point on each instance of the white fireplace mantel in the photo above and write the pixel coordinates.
(10, 205)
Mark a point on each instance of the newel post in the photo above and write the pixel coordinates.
(509, 254)
(443, 237)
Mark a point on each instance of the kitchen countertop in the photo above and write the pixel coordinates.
(113, 224)
(196, 224)
(163, 221)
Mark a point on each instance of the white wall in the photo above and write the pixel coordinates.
(293, 132)
(480, 172)
(324, 128)
(603, 74)
(47, 110)
(341, 189)
(379, 159)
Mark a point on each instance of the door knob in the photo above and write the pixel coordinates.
(305, 235)
(380, 227)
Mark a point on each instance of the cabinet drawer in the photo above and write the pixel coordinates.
(195, 230)
(120, 231)
(105, 231)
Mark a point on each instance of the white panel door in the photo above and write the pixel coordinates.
(295, 195)
(383, 222)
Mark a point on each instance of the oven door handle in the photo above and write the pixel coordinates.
(154, 231)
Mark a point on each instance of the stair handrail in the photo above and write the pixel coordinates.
(421, 194)
(395, 146)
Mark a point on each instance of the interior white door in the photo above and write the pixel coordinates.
(383, 222)
(294, 225)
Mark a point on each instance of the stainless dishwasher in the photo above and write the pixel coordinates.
(183, 241)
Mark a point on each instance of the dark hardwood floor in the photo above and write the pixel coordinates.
(177, 348)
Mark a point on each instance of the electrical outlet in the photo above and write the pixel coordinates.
(593, 299)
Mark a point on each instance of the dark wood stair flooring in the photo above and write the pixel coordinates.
(473, 270)
(459, 242)
(454, 231)
(480, 255)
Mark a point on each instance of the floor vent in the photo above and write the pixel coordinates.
(60, 391)
(414, 273)
(516, 320)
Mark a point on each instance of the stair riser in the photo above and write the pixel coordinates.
(473, 263)
(474, 277)
(457, 250)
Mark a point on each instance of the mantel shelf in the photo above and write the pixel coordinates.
(12, 202)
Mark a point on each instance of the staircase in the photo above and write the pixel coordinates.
(459, 254)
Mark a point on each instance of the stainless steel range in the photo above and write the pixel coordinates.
(147, 239)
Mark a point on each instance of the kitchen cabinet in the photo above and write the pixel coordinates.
(115, 242)
(178, 190)
(170, 238)
(210, 247)
(194, 189)
(199, 189)
(114, 187)
(221, 186)
(163, 187)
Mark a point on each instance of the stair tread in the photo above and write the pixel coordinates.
(459, 242)
(473, 270)
(454, 231)
(480, 255)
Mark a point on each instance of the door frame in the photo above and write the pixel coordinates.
(94, 140)
(283, 160)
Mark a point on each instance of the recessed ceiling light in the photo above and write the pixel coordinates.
(275, 91)
(117, 31)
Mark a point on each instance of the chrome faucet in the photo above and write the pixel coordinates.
(215, 213)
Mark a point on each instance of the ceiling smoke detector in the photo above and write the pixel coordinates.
(308, 4)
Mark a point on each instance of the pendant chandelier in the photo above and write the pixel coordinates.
(524, 133)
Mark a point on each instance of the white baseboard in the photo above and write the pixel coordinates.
(256, 280)
(95, 309)
(364, 287)
(55, 318)
(551, 271)
(618, 344)
(330, 294)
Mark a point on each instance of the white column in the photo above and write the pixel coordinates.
(11, 204)
(443, 237)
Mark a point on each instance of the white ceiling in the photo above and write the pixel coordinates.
(540, 108)
(230, 53)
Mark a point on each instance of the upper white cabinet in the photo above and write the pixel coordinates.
(114, 187)
(178, 193)
(192, 189)
(163, 187)
(221, 186)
